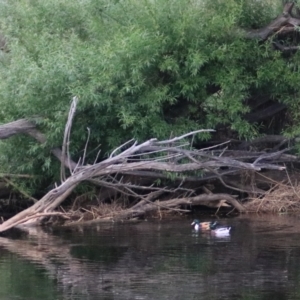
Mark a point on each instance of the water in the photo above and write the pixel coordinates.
(155, 260)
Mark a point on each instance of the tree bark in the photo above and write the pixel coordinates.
(276, 25)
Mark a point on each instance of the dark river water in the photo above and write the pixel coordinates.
(155, 260)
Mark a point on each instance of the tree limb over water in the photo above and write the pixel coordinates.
(161, 158)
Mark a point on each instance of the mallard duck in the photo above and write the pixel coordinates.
(205, 226)
(219, 230)
(201, 225)
(196, 224)
(213, 227)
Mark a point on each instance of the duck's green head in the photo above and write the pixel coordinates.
(213, 225)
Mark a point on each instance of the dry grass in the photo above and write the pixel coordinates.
(93, 212)
(281, 198)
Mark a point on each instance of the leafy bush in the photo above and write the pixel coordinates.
(142, 69)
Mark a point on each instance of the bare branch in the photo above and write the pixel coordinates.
(66, 141)
(184, 136)
(120, 147)
(86, 144)
(16, 127)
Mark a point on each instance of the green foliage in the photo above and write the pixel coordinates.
(141, 69)
(256, 14)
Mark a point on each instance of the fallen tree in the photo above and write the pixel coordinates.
(158, 158)
(119, 164)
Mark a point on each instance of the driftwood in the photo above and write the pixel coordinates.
(173, 203)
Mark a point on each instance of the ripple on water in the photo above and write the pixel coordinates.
(156, 260)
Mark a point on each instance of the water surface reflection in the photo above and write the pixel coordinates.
(155, 260)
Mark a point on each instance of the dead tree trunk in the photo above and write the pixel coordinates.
(186, 161)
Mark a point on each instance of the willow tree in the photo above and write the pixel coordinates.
(141, 69)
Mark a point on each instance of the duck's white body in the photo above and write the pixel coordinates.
(222, 231)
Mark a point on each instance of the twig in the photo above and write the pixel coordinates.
(184, 136)
(86, 144)
(16, 175)
(215, 146)
(97, 156)
(120, 147)
(291, 184)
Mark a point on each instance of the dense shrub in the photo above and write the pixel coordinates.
(141, 69)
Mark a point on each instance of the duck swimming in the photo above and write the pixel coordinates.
(219, 230)
(213, 227)
(201, 225)
(197, 225)
(205, 226)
